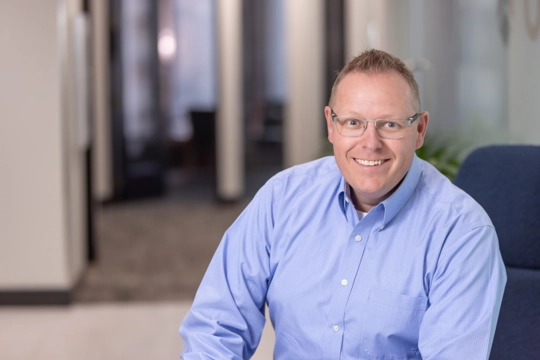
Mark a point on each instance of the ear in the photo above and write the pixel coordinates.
(329, 123)
(423, 120)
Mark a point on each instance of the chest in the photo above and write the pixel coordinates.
(326, 254)
(348, 288)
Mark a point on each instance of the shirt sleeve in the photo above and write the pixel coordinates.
(464, 298)
(227, 316)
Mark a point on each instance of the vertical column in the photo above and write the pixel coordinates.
(101, 123)
(304, 114)
(229, 119)
(357, 16)
(73, 45)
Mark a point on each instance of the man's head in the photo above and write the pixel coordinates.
(374, 85)
(376, 61)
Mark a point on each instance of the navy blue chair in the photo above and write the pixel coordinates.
(505, 180)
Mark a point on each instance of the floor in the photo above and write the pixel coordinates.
(100, 332)
(152, 255)
(155, 249)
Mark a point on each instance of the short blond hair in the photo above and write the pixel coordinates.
(374, 61)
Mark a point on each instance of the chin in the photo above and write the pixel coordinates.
(370, 192)
(375, 192)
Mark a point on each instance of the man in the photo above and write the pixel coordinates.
(370, 254)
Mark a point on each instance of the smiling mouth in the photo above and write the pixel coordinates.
(370, 162)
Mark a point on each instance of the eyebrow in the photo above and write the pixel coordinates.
(379, 117)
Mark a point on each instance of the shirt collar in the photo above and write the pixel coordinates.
(395, 202)
(344, 200)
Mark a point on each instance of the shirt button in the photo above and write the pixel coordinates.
(335, 328)
(358, 238)
(382, 227)
(344, 282)
(346, 200)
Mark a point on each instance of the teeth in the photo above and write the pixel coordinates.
(370, 162)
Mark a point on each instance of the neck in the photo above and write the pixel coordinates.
(358, 205)
(366, 205)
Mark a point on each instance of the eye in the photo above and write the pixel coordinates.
(390, 125)
(352, 123)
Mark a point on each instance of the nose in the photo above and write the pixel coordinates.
(370, 138)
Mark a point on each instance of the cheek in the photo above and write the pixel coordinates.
(408, 155)
(405, 153)
(342, 147)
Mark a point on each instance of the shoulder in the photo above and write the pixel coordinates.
(307, 184)
(319, 167)
(446, 201)
(303, 186)
(316, 173)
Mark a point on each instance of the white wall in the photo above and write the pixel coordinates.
(37, 247)
(482, 71)
(524, 71)
(455, 48)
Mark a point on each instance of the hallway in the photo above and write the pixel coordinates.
(155, 249)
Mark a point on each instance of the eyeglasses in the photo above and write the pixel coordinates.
(386, 128)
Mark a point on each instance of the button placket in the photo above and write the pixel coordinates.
(355, 246)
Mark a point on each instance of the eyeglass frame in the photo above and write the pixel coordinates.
(408, 123)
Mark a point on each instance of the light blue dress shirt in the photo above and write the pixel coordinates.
(419, 277)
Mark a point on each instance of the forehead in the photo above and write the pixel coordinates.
(381, 91)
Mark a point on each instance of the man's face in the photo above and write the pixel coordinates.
(374, 96)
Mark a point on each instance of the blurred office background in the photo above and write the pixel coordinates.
(135, 131)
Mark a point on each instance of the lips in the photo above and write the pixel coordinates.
(370, 162)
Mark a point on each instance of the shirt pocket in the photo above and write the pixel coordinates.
(391, 325)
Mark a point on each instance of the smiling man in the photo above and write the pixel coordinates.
(374, 159)
(369, 254)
